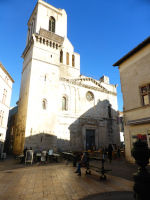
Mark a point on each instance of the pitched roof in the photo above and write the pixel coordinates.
(133, 51)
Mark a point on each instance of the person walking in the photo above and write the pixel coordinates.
(81, 163)
(24, 152)
(110, 149)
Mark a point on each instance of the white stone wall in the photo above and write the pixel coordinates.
(80, 108)
(5, 83)
(45, 78)
(134, 72)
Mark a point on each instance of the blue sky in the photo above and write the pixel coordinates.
(101, 31)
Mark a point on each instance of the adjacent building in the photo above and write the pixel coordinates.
(11, 130)
(58, 108)
(6, 83)
(134, 70)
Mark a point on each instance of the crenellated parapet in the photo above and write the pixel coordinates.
(46, 38)
(51, 36)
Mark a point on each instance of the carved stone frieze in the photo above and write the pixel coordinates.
(79, 82)
(90, 121)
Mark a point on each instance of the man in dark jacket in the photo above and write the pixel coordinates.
(83, 162)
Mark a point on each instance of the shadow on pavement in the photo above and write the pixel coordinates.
(123, 195)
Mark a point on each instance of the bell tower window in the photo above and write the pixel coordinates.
(67, 58)
(52, 24)
(61, 56)
(73, 59)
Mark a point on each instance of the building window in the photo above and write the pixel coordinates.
(109, 111)
(44, 104)
(64, 103)
(145, 94)
(52, 24)
(61, 56)
(6, 79)
(1, 117)
(73, 60)
(89, 96)
(67, 58)
(4, 96)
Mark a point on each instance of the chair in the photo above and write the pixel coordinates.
(29, 156)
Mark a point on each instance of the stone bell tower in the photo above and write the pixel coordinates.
(38, 101)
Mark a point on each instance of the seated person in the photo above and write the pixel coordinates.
(82, 163)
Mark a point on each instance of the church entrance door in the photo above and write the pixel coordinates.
(90, 139)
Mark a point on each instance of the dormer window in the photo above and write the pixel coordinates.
(52, 24)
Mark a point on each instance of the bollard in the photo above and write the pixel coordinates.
(141, 186)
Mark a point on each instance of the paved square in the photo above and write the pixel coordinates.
(55, 181)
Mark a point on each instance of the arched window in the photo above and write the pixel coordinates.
(73, 60)
(52, 24)
(64, 103)
(61, 56)
(44, 104)
(67, 58)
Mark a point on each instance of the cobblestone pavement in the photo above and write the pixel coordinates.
(58, 181)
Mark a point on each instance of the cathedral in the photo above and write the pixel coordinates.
(58, 108)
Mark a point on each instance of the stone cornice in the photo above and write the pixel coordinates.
(6, 82)
(57, 10)
(6, 72)
(4, 104)
(79, 83)
(46, 62)
(27, 47)
(137, 108)
(45, 38)
(139, 121)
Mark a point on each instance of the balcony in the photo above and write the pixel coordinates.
(51, 36)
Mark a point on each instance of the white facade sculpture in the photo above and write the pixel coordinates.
(59, 108)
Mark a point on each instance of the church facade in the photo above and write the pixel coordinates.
(58, 108)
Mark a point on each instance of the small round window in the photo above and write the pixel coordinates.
(89, 96)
